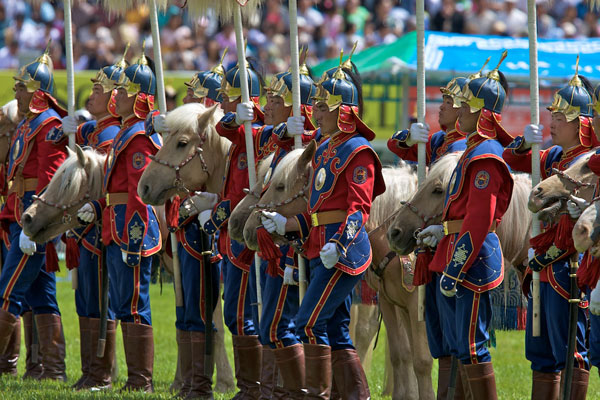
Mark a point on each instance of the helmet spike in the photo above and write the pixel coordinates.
(143, 60)
(575, 81)
(493, 74)
(302, 58)
(218, 69)
(348, 62)
(339, 74)
(122, 63)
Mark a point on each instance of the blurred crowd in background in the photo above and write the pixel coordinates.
(325, 26)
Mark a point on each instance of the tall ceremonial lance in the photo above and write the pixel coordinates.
(421, 118)
(534, 93)
(295, 64)
(226, 10)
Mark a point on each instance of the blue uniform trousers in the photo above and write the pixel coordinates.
(237, 311)
(20, 273)
(88, 299)
(438, 343)
(547, 353)
(129, 287)
(192, 315)
(466, 318)
(280, 306)
(253, 298)
(324, 315)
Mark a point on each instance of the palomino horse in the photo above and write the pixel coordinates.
(288, 180)
(425, 208)
(586, 232)
(192, 158)
(363, 315)
(9, 119)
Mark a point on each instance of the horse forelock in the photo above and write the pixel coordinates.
(443, 168)
(71, 175)
(185, 119)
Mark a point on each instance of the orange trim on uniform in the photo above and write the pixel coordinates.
(322, 300)
(12, 281)
(136, 295)
(241, 303)
(473, 328)
(557, 288)
(277, 317)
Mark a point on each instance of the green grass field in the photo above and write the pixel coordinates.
(513, 374)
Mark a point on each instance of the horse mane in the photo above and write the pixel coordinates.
(185, 119)
(72, 175)
(11, 110)
(443, 167)
(286, 168)
(400, 183)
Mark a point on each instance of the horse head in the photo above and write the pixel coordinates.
(77, 181)
(424, 208)
(549, 197)
(192, 157)
(286, 192)
(586, 232)
(9, 119)
(241, 212)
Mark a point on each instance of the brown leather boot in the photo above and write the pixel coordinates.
(184, 352)
(201, 383)
(100, 375)
(8, 360)
(7, 326)
(444, 366)
(269, 375)
(545, 386)
(138, 340)
(317, 363)
(52, 346)
(349, 375)
(290, 362)
(462, 391)
(84, 351)
(481, 380)
(579, 384)
(33, 365)
(177, 380)
(247, 353)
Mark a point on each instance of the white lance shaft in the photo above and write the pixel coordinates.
(162, 107)
(534, 93)
(295, 64)
(241, 55)
(70, 90)
(421, 118)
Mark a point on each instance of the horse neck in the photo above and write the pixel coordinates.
(215, 155)
(95, 180)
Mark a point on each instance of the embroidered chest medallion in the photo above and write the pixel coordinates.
(135, 232)
(320, 179)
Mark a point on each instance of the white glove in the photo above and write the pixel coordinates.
(86, 213)
(69, 125)
(419, 133)
(203, 217)
(27, 245)
(576, 205)
(595, 300)
(288, 276)
(329, 255)
(199, 202)
(533, 135)
(431, 235)
(295, 126)
(273, 222)
(160, 124)
(124, 256)
(244, 112)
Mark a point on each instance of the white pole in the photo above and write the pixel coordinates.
(295, 64)
(70, 89)
(421, 118)
(162, 107)
(535, 149)
(241, 55)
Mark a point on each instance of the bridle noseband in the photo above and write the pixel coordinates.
(274, 206)
(578, 184)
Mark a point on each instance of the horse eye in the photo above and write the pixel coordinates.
(181, 145)
(280, 187)
(438, 190)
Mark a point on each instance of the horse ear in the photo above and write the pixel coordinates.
(205, 118)
(80, 155)
(70, 152)
(306, 156)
